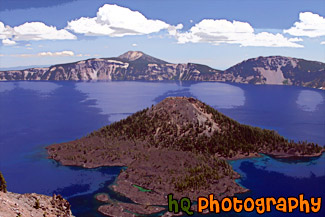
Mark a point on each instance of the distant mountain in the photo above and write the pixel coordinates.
(22, 67)
(136, 65)
(140, 57)
(279, 70)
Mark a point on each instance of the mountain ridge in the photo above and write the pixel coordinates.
(136, 65)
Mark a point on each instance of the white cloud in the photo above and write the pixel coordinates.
(173, 30)
(62, 53)
(32, 31)
(223, 31)
(8, 42)
(134, 45)
(40, 31)
(323, 42)
(5, 31)
(47, 54)
(310, 25)
(116, 21)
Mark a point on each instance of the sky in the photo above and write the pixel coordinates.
(218, 33)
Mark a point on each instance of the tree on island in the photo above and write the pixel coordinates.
(3, 183)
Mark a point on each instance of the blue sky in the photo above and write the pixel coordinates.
(218, 33)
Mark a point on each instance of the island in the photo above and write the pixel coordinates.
(179, 146)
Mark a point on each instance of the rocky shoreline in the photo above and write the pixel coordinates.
(180, 146)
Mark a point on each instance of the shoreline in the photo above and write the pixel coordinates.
(144, 201)
(180, 146)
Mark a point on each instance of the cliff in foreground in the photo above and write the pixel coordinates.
(26, 205)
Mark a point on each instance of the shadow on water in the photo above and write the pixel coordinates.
(173, 93)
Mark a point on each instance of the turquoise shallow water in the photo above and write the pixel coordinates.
(36, 114)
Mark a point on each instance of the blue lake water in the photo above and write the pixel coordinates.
(36, 114)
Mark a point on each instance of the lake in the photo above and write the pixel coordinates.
(34, 115)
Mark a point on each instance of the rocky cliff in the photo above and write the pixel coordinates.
(279, 70)
(135, 65)
(129, 66)
(25, 205)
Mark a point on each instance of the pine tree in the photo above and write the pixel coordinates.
(3, 184)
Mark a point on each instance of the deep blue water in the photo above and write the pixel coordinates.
(36, 114)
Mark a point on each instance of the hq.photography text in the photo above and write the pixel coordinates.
(260, 205)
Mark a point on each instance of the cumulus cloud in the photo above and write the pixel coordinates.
(47, 54)
(116, 21)
(173, 30)
(40, 31)
(32, 31)
(8, 42)
(5, 31)
(309, 24)
(134, 45)
(62, 53)
(223, 31)
(323, 42)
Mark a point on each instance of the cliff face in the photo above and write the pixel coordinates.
(129, 66)
(25, 205)
(135, 65)
(279, 70)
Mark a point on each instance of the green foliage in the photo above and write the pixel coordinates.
(232, 137)
(285, 82)
(37, 204)
(203, 174)
(141, 188)
(3, 183)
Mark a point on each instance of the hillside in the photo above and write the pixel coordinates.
(280, 70)
(178, 146)
(136, 65)
(25, 205)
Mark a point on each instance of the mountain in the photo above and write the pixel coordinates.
(279, 70)
(136, 65)
(132, 65)
(140, 57)
(178, 146)
(22, 67)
